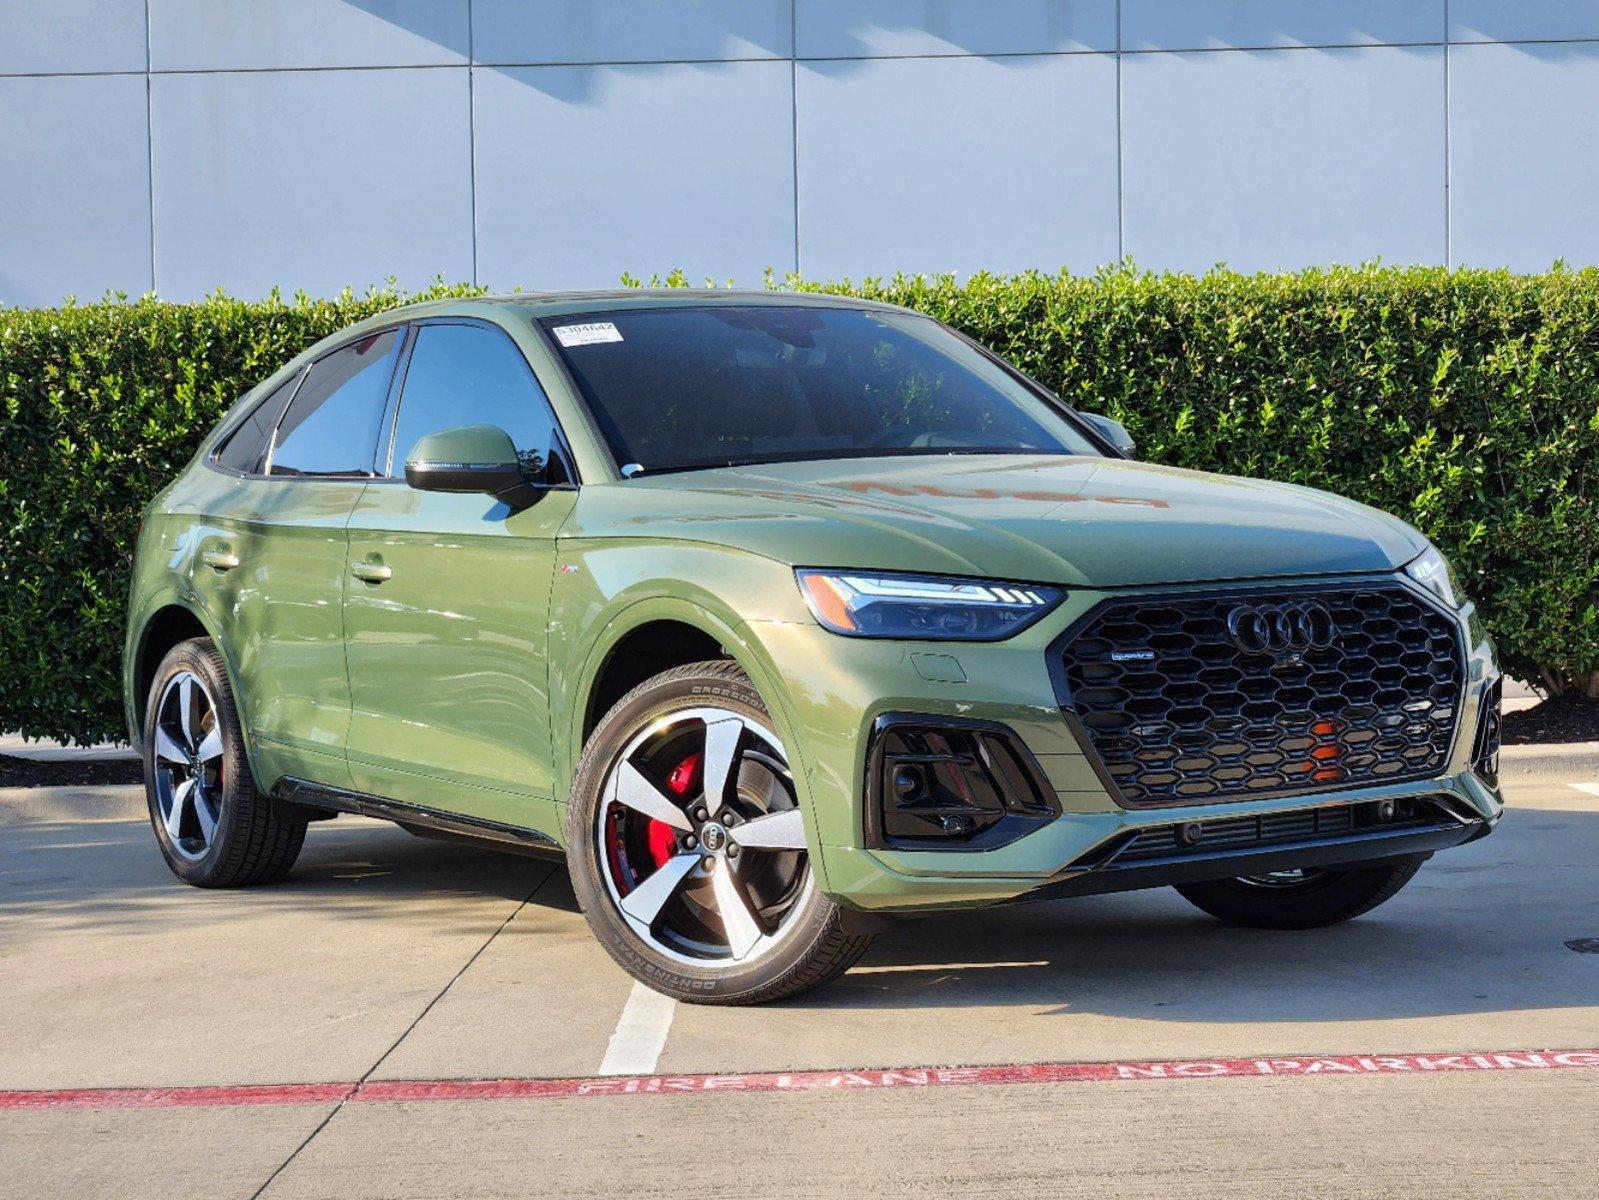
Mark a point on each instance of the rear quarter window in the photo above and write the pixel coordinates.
(245, 447)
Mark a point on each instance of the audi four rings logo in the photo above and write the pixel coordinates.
(1281, 628)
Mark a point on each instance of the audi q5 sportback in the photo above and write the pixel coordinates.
(777, 616)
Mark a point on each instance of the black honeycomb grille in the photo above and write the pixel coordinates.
(1177, 712)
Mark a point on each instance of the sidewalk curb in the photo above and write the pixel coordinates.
(1560, 758)
(108, 802)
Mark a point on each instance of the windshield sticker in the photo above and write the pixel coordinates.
(587, 334)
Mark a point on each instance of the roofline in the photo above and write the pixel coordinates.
(613, 298)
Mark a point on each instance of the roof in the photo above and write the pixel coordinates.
(561, 303)
(558, 304)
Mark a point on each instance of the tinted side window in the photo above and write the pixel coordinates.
(470, 375)
(332, 424)
(247, 444)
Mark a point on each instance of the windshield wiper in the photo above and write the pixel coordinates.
(712, 464)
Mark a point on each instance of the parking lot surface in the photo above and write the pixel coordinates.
(329, 1036)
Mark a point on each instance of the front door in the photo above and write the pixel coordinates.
(447, 605)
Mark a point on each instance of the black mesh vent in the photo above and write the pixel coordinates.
(1177, 711)
(1485, 754)
(1302, 825)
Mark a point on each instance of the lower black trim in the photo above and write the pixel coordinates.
(1363, 849)
(417, 819)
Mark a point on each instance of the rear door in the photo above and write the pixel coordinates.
(272, 562)
(447, 652)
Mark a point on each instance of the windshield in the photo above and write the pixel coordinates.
(719, 385)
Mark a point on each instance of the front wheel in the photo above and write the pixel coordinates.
(1302, 899)
(687, 846)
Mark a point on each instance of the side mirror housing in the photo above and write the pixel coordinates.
(478, 459)
(1113, 432)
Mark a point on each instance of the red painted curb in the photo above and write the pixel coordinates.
(414, 1090)
(179, 1097)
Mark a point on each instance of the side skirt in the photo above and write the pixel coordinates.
(425, 822)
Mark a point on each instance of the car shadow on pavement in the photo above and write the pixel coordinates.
(107, 877)
(1481, 929)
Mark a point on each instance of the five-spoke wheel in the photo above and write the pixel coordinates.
(214, 829)
(189, 767)
(704, 842)
(688, 846)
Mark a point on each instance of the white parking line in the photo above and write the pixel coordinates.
(1591, 788)
(640, 1034)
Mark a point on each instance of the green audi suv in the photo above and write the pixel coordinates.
(778, 616)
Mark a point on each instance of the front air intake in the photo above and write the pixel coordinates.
(1328, 822)
(946, 782)
(1485, 749)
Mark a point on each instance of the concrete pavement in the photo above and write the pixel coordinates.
(389, 958)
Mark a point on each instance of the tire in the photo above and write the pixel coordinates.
(1322, 897)
(225, 832)
(686, 947)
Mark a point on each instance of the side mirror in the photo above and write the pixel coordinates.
(470, 458)
(1113, 432)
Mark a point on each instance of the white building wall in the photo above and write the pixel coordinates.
(184, 145)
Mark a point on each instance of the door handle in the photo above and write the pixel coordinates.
(221, 559)
(371, 572)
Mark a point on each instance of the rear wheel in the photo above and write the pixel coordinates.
(213, 827)
(1303, 899)
(687, 846)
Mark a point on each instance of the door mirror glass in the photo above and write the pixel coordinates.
(1113, 432)
(469, 458)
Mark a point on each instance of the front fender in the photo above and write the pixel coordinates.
(608, 589)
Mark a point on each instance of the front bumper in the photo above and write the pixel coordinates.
(1421, 829)
(835, 688)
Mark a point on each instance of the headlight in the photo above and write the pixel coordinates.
(1433, 572)
(866, 604)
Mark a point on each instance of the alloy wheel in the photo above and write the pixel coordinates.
(700, 838)
(189, 765)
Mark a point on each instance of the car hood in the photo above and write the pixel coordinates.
(1073, 520)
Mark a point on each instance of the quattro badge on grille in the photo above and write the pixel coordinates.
(1132, 656)
(1281, 629)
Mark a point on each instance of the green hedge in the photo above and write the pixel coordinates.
(1466, 402)
(100, 406)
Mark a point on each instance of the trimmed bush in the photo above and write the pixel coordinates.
(1466, 402)
(101, 405)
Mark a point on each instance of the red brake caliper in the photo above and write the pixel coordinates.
(683, 779)
(659, 837)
